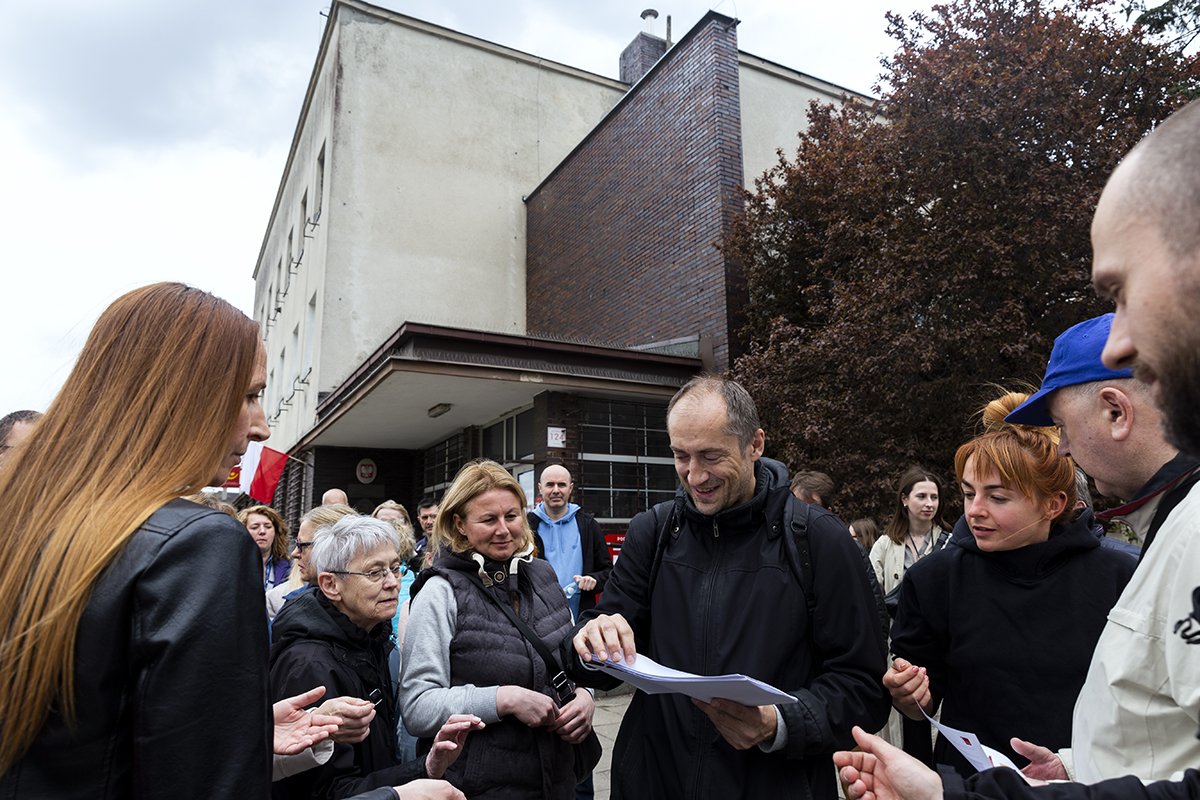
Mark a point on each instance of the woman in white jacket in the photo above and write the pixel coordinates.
(915, 530)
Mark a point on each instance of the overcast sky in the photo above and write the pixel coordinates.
(144, 140)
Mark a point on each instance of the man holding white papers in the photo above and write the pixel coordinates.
(736, 576)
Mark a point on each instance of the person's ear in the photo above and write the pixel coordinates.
(1118, 413)
(1055, 506)
(328, 584)
(757, 444)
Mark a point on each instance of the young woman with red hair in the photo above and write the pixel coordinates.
(999, 627)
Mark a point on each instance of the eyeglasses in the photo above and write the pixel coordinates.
(298, 545)
(376, 575)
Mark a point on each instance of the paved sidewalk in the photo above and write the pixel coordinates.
(610, 708)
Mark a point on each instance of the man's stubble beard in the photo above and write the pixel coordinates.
(1179, 395)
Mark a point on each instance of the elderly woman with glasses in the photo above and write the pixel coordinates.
(339, 637)
(302, 576)
(465, 653)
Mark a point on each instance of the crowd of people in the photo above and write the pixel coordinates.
(170, 646)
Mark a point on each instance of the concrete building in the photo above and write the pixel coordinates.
(478, 252)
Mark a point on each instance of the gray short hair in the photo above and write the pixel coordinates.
(741, 412)
(1081, 487)
(335, 546)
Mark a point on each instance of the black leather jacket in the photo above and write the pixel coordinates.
(170, 673)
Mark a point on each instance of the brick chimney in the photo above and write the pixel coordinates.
(645, 49)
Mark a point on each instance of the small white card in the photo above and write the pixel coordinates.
(979, 755)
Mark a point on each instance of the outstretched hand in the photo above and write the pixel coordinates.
(447, 744)
(426, 789)
(1044, 764)
(297, 730)
(881, 772)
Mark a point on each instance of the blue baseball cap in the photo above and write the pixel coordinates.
(1075, 359)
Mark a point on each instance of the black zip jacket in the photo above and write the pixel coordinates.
(726, 600)
(170, 673)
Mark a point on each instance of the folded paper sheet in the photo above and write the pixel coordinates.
(979, 755)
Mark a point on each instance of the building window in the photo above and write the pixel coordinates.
(626, 465)
(319, 190)
(510, 441)
(442, 463)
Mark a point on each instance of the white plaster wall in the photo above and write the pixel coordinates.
(436, 140)
(301, 352)
(431, 140)
(774, 110)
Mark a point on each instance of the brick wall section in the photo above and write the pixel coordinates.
(639, 56)
(621, 237)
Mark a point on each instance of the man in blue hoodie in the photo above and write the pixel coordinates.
(569, 538)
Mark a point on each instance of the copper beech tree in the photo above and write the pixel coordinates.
(914, 254)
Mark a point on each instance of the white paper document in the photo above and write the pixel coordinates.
(653, 678)
(979, 755)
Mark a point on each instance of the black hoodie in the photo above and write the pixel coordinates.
(1007, 636)
(317, 645)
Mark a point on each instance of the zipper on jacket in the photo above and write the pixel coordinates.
(704, 742)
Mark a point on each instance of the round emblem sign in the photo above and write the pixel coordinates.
(365, 471)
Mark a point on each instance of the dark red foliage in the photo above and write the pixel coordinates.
(913, 256)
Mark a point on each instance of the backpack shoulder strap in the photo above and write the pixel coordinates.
(795, 519)
(667, 516)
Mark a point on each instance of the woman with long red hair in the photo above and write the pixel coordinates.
(132, 633)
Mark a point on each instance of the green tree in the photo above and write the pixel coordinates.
(915, 254)
(1179, 20)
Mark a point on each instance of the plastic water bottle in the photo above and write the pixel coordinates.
(570, 590)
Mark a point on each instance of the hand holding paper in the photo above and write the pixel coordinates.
(653, 678)
(605, 637)
(909, 687)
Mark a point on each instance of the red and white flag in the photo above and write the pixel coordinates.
(262, 468)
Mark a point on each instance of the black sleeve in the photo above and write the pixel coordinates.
(200, 642)
(626, 593)
(848, 645)
(1006, 784)
(920, 634)
(598, 562)
(298, 669)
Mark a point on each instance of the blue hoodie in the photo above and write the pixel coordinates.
(563, 549)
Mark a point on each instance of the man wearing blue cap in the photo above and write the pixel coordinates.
(1140, 708)
(1109, 424)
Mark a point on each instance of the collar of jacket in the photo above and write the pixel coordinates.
(1033, 560)
(770, 489)
(311, 615)
(1168, 476)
